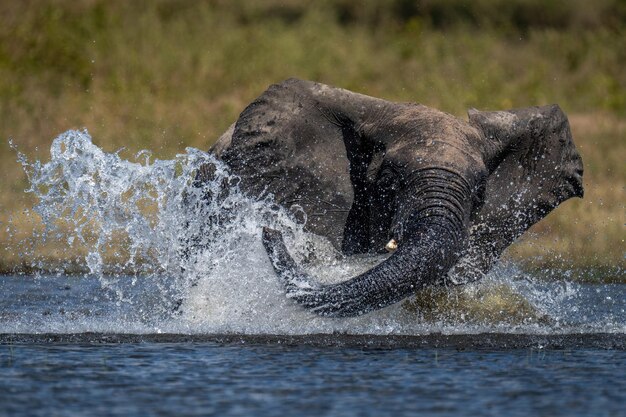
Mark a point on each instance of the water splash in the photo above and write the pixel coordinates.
(174, 254)
(153, 219)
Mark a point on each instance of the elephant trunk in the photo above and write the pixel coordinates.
(433, 232)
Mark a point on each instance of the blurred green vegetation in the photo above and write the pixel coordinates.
(165, 74)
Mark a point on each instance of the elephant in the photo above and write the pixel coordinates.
(446, 195)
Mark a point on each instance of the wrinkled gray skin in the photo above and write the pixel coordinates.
(453, 194)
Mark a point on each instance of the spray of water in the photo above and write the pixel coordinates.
(185, 256)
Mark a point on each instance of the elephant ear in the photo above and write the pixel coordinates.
(286, 145)
(534, 166)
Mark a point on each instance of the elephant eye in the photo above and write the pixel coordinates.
(388, 178)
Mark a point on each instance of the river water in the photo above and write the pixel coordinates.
(175, 309)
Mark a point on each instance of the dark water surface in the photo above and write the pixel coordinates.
(68, 346)
(272, 380)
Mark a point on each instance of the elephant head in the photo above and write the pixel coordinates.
(452, 194)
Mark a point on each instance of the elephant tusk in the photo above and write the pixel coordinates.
(391, 246)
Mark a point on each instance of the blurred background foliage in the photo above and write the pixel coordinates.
(164, 74)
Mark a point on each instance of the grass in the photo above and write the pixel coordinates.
(164, 75)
